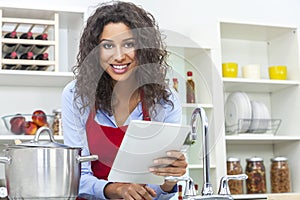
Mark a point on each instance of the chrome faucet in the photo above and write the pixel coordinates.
(207, 190)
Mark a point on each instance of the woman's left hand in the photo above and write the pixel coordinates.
(174, 164)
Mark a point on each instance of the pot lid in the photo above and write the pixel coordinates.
(42, 143)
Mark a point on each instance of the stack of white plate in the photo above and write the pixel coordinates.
(237, 107)
(245, 116)
(261, 119)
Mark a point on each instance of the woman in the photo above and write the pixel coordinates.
(119, 76)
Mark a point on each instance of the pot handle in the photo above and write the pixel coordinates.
(87, 158)
(40, 131)
(5, 160)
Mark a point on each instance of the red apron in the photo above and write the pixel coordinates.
(105, 141)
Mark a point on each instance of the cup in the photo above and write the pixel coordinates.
(251, 71)
(278, 72)
(230, 70)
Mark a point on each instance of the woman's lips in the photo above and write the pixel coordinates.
(120, 69)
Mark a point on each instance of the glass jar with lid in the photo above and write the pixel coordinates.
(256, 182)
(280, 175)
(233, 168)
(56, 126)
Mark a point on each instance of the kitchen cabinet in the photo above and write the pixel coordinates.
(186, 55)
(23, 91)
(34, 87)
(265, 45)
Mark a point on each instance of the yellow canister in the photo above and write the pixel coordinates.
(230, 70)
(278, 72)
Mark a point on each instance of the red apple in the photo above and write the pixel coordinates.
(39, 118)
(29, 128)
(17, 124)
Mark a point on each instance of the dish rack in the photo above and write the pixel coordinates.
(254, 126)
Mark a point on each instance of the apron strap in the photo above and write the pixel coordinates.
(146, 116)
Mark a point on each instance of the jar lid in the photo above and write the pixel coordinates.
(278, 159)
(189, 73)
(57, 110)
(232, 159)
(255, 159)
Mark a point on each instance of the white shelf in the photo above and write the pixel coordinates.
(24, 41)
(259, 139)
(200, 166)
(28, 21)
(27, 62)
(250, 196)
(194, 105)
(262, 85)
(34, 78)
(11, 137)
(259, 32)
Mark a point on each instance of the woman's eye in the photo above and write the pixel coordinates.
(107, 46)
(129, 45)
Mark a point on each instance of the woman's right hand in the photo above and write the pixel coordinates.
(129, 191)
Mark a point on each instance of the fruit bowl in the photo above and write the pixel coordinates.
(27, 124)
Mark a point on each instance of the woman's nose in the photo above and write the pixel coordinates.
(119, 54)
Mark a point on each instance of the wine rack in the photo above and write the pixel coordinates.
(37, 27)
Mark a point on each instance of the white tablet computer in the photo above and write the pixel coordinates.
(143, 142)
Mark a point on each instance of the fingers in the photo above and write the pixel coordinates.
(173, 165)
(137, 192)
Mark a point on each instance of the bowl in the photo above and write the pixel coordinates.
(24, 124)
(278, 72)
(230, 70)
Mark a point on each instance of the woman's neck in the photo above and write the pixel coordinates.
(125, 98)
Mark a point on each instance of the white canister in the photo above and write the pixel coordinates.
(251, 71)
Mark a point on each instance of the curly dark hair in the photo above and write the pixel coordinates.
(94, 87)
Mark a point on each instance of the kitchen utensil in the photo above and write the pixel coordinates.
(230, 69)
(278, 72)
(43, 169)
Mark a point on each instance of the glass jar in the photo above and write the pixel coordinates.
(233, 168)
(256, 182)
(56, 126)
(280, 175)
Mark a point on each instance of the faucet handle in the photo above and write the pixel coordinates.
(224, 187)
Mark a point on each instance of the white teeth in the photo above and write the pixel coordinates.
(119, 66)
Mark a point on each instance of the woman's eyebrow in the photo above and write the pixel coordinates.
(108, 40)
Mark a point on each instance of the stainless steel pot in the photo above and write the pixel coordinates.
(43, 169)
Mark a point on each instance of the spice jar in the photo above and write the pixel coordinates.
(256, 182)
(56, 126)
(233, 168)
(280, 175)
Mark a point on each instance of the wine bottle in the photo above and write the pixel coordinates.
(7, 48)
(38, 49)
(190, 88)
(11, 55)
(42, 56)
(25, 47)
(26, 56)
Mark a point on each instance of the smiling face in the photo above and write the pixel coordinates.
(117, 51)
